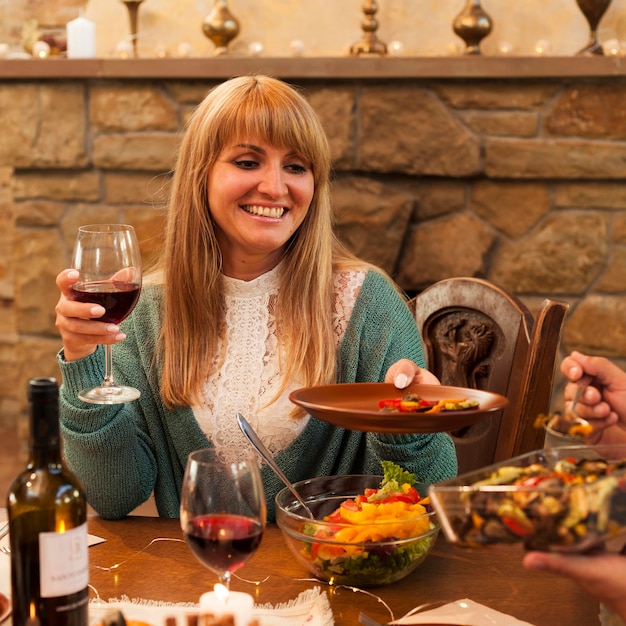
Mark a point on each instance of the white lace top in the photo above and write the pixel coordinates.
(250, 375)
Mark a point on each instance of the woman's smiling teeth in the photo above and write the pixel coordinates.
(264, 211)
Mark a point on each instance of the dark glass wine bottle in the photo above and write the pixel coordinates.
(47, 525)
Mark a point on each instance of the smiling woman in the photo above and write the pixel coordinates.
(253, 297)
(259, 196)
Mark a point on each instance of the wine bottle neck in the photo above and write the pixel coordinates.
(44, 420)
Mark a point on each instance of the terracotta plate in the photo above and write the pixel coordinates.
(355, 406)
(5, 607)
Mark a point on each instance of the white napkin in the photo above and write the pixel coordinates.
(311, 607)
(462, 613)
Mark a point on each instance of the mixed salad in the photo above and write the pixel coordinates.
(573, 504)
(371, 539)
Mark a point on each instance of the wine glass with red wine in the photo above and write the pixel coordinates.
(222, 508)
(108, 261)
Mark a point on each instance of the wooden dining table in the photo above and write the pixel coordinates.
(147, 558)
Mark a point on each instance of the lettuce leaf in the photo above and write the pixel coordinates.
(394, 477)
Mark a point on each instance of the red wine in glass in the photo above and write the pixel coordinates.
(223, 542)
(222, 508)
(108, 260)
(117, 297)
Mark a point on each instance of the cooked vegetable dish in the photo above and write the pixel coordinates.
(573, 504)
(412, 403)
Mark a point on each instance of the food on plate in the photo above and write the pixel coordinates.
(116, 618)
(375, 537)
(575, 503)
(412, 403)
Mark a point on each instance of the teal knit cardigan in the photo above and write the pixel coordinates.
(123, 453)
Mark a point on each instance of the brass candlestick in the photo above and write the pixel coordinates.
(220, 26)
(369, 44)
(133, 11)
(593, 10)
(472, 25)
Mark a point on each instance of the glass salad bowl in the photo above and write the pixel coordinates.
(568, 499)
(355, 538)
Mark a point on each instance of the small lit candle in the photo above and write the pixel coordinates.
(185, 50)
(124, 49)
(505, 47)
(221, 601)
(81, 39)
(542, 47)
(255, 49)
(297, 47)
(611, 47)
(395, 48)
(161, 51)
(41, 49)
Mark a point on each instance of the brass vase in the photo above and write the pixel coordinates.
(472, 25)
(369, 44)
(220, 26)
(593, 10)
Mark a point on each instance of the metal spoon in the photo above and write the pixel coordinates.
(266, 455)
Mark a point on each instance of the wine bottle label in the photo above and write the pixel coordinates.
(64, 562)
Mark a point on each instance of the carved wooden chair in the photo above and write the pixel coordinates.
(478, 335)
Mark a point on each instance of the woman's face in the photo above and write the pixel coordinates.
(258, 197)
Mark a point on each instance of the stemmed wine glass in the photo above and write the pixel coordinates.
(222, 508)
(108, 260)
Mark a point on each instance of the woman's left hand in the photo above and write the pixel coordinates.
(404, 372)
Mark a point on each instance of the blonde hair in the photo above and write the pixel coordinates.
(258, 107)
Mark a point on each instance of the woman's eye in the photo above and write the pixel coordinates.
(296, 168)
(246, 164)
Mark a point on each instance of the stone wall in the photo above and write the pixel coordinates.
(520, 182)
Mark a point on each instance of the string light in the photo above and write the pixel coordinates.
(132, 556)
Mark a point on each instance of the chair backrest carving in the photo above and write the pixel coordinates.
(466, 346)
(479, 335)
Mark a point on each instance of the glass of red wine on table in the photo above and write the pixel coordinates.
(108, 260)
(222, 508)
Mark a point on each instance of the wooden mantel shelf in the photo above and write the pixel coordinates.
(330, 68)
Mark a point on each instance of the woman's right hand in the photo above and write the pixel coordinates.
(603, 402)
(77, 323)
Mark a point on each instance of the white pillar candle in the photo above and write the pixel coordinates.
(81, 39)
(221, 601)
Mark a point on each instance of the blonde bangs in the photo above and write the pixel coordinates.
(257, 108)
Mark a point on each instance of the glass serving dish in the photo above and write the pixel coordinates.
(364, 554)
(567, 499)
